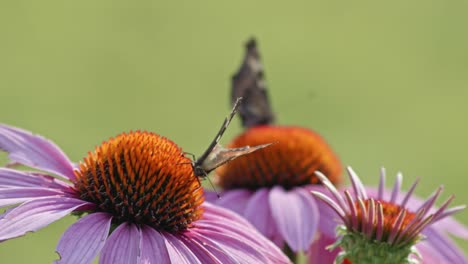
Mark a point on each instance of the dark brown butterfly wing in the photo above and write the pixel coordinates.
(221, 155)
(249, 84)
(197, 164)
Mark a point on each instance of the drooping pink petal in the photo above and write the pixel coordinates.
(83, 241)
(296, 216)
(231, 245)
(13, 196)
(35, 151)
(318, 252)
(428, 254)
(14, 178)
(444, 246)
(34, 215)
(179, 252)
(225, 221)
(122, 246)
(228, 249)
(236, 200)
(205, 252)
(153, 247)
(258, 212)
(452, 226)
(328, 220)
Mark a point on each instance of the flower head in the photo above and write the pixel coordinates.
(376, 229)
(133, 187)
(271, 187)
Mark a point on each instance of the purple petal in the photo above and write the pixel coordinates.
(444, 246)
(429, 255)
(179, 252)
(258, 212)
(15, 178)
(34, 215)
(318, 252)
(122, 246)
(221, 220)
(409, 193)
(236, 200)
(153, 247)
(396, 187)
(296, 216)
(81, 242)
(452, 226)
(204, 250)
(336, 195)
(328, 219)
(13, 196)
(381, 184)
(243, 244)
(358, 187)
(228, 249)
(35, 151)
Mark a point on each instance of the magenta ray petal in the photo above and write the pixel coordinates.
(35, 151)
(229, 249)
(318, 252)
(429, 255)
(14, 178)
(204, 250)
(328, 219)
(452, 226)
(13, 196)
(236, 200)
(245, 240)
(444, 246)
(258, 212)
(179, 252)
(222, 220)
(122, 246)
(34, 215)
(153, 247)
(296, 216)
(81, 243)
(396, 188)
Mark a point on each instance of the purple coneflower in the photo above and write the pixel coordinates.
(137, 202)
(271, 187)
(389, 227)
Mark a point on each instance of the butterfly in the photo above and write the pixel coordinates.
(216, 155)
(249, 83)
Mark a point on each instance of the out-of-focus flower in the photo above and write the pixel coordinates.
(271, 187)
(389, 227)
(132, 187)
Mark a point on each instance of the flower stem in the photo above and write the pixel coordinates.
(291, 255)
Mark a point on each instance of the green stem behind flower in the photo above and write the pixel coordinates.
(291, 255)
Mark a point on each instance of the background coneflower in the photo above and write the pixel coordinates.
(386, 229)
(271, 187)
(137, 201)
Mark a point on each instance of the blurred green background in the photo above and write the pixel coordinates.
(384, 82)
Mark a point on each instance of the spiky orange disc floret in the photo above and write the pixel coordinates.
(143, 178)
(291, 162)
(391, 213)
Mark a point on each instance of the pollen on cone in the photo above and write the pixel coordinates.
(290, 162)
(144, 178)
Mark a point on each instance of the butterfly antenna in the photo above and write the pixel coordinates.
(214, 189)
(212, 185)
